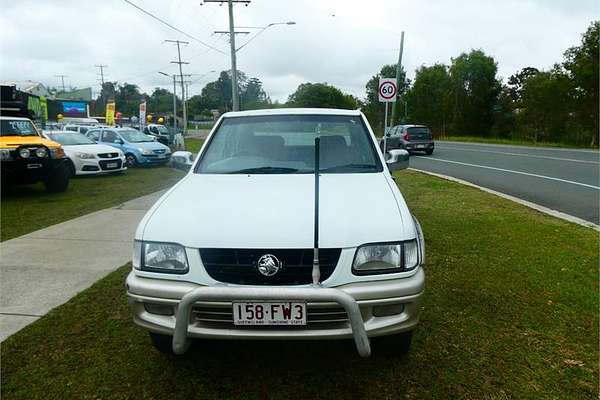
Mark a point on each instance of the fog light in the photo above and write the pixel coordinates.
(389, 310)
(159, 309)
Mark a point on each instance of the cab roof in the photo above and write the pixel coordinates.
(292, 111)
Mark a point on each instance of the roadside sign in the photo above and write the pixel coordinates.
(142, 115)
(388, 90)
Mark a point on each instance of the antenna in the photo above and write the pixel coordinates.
(316, 271)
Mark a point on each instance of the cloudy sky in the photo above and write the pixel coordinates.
(341, 42)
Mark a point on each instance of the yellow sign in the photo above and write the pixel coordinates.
(110, 113)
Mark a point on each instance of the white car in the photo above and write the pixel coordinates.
(86, 156)
(254, 244)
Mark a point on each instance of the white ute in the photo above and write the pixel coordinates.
(253, 244)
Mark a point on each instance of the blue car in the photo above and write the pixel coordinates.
(139, 149)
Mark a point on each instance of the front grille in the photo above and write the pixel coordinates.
(108, 155)
(239, 266)
(160, 151)
(316, 318)
(104, 164)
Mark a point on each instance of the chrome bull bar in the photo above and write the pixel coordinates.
(181, 341)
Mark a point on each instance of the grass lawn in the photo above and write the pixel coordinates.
(29, 208)
(193, 144)
(513, 142)
(510, 311)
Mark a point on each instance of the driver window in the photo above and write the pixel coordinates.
(109, 136)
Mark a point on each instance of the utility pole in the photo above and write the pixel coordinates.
(398, 69)
(234, 81)
(101, 72)
(62, 78)
(179, 43)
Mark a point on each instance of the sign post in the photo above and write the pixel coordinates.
(388, 91)
(142, 116)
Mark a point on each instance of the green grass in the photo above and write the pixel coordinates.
(510, 311)
(28, 208)
(193, 144)
(512, 142)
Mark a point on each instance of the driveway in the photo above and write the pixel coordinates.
(566, 180)
(44, 269)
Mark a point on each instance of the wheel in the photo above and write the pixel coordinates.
(72, 169)
(429, 152)
(58, 181)
(394, 345)
(130, 160)
(162, 343)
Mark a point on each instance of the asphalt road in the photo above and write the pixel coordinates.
(561, 179)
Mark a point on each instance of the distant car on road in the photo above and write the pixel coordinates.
(411, 138)
(86, 157)
(139, 149)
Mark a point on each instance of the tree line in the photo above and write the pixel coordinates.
(464, 98)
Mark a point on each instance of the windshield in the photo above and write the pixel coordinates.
(17, 128)
(285, 144)
(133, 136)
(162, 130)
(70, 139)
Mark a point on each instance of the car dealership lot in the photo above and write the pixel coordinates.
(566, 180)
(510, 321)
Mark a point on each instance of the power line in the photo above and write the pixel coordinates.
(174, 28)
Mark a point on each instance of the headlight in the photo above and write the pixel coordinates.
(85, 155)
(41, 152)
(5, 155)
(386, 258)
(145, 151)
(160, 257)
(24, 153)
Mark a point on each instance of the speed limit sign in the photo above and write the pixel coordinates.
(387, 90)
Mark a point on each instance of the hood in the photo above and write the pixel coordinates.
(16, 141)
(90, 148)
(149, 145)
(277, 211)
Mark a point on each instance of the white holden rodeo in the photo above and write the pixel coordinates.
(288, 226)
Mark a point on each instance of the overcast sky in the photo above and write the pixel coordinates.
(341, 42)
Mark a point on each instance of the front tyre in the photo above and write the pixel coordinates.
(429, 152)
(58, 181)
(394, 345)
(130, 160)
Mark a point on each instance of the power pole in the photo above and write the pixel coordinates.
(174, 104)
(101, 66)
(398, 69)
(234, 81)
(62, 78)
(179, 43)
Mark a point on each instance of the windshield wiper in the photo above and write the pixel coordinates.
(348, 166)
(265, 170)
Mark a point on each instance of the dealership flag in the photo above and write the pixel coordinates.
(110, 113)
(142, 115)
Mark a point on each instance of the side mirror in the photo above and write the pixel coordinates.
(118, 141)
(397, 159)
(388, 134)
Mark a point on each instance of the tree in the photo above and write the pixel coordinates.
(128, 98)
(372, 108)
(475, 91)
(516, 81)
(161, 102)
(581, 64)
(253, 96)
(428, 98)
(321, 95)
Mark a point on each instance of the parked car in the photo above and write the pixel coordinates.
(26, 157)
(411, 138)
(263, 239)
(77, 128)
(139, 149)
(160, 132)
(86, 157)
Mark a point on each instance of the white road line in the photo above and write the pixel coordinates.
(545, 210)
(512, 172)
(520, 155)
(520, 147)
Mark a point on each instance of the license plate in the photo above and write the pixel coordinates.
(269, 313)
(161, 156)
(112, 165)
(420, 146)
(33, 166)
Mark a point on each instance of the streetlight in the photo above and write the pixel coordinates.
(262, 29)
(174, 100)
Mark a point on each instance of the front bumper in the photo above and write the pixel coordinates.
(93, 166)
(154, 159)
(359, 301)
